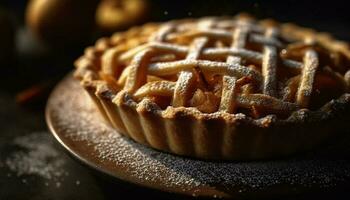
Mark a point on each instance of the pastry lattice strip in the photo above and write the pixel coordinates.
(229, 89)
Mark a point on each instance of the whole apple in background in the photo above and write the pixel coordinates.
(62, 23)
(7, 38)
(114, 15)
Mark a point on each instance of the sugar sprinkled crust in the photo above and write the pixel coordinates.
(229, 71)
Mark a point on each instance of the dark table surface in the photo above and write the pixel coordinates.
(34, 166)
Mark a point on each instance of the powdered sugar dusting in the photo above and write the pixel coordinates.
(76, 116)
(37, 157)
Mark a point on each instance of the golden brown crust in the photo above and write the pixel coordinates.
(275, 127)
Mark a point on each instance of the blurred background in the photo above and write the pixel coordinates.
(40, 39)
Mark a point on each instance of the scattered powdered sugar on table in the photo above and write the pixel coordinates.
(74, 113)
(36, 156)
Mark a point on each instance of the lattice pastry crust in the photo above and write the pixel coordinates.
(220, 87)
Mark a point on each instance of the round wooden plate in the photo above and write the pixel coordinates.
(76, 124)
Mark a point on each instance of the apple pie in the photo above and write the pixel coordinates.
(227, 88)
